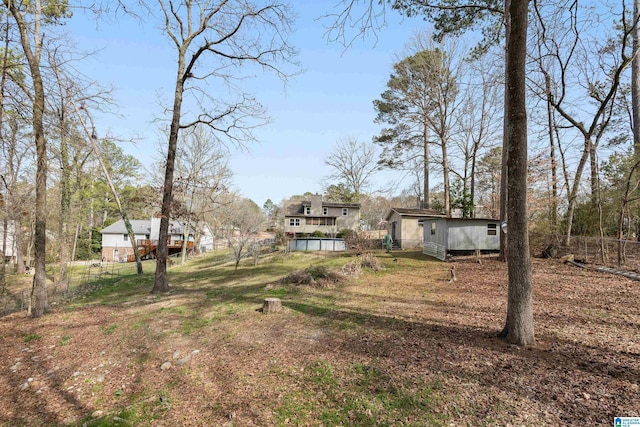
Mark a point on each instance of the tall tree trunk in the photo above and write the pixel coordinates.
(186, 231)
(553, 205)
(425, 148)
(445, 178)
(593, 166)
(573, 194)
(518, 327)
(123, 213)
(504, 194)
(65, 202)
(3, 254)
(161, 282)
(39, 289)
(17, 244)
(635, 82)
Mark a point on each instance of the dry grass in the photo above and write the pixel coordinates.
(395, 346)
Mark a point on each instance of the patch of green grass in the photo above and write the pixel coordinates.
(278, 292)
(362, 395)
(108, 330)
(31, 337)
(323, 374)
(64, 340)
(177, 310)
(192, 324)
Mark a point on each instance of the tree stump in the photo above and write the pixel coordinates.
(452, 274)
(271, 305)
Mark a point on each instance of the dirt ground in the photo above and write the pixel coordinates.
(404, 346)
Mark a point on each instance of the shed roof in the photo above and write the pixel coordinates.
(459, 219)
(414, 212)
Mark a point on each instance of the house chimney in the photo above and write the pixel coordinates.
(316, 204)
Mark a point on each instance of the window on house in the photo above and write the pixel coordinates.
(345, 211)
(320, 221)
(125, 237)
(325, 211)
(492, 229)
(307, 210)
(294, 222)
(433, 228)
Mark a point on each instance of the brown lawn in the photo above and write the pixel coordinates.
(402, 346)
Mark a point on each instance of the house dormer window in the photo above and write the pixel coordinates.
(325, 211)
(307, 210)
(125, 237)
(345, 211)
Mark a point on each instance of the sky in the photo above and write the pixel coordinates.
(331, 99)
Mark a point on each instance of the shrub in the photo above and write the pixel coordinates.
(358, 242)
(369, 260)
(344, 233)
(318, 276)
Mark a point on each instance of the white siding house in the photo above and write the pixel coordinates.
(8, 239)
(116, 245)
(443, 235)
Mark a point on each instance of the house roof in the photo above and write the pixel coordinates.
(143, 226)
(140, 226)
(295, 209)
(413, 212)
(472, 219)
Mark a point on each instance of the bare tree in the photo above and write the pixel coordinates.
(478, 123)
(567, 64)
(241, 219)
(353, 164)
(212, 41)
(31, 41)
(518, 327)
(203, 175)
(457, 16)
(635, 81)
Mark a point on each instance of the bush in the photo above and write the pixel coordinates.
(317, 276)
(352, 269)
(358, 242)
(318, 233)
(369, 260)
(345, 233)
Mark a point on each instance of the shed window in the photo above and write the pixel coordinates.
(433, 228)
(492, 229)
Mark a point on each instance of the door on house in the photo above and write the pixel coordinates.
(393, 230)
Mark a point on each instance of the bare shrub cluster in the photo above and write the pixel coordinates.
(323, 277)
(370, 261)
(366, 260)
(358, 241)
(316, 276)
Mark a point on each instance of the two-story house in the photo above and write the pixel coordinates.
(116, 245)
(314, 215)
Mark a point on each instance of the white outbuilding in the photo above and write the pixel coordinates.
(449, 235)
